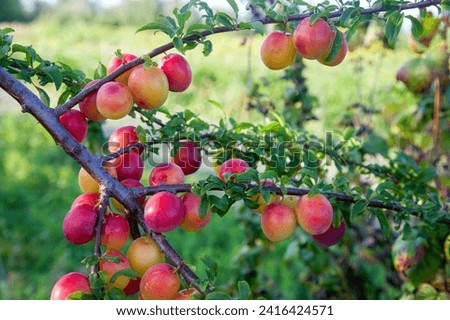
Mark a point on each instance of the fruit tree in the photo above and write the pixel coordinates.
(330, 197)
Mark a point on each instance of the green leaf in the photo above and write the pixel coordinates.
(234, 6)
(100, 72)
(244, 290)
(308, 172)
(336, 47)
(198, 27)
(279, 117)
(178, 44)
(357, 209)
(182, 18)
(43, 96)
(114, 259)
(217, 295)
(55, 74)
(212, 267)
(224, 19)
(80, 295)
(416, 27)
(393, 27)
(258, 26)
(204, 206)
(346, 17)
(207, 48)
(126, 273)
(216, 104)
(5, 31)
(251, 203)
(90, 261)
(158, 26)
(268, 175)
(313, 18)
(98, 281)
(220, 203)
(445, 5)
(265, 194)
(4, 50)
(353, 28)
(64, 96)
(384, 222)
(115, 294)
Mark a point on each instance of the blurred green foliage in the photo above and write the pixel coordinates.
(12, 10)
(36, 190)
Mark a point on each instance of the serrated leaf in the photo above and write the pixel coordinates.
(204, 206)
(216, 104)
(5, 31)
(219, 202)
(115, 294)
(308, 172)
(224, 19)
(100, 72)
(346, 17)
(113, 259)
(384, 222)
(197, 27)
(211, 265)
(244, 290)
(279, 117)
(336, 47)
(64, 96)
(43, 96)
(265, 194)
(251, 204)
(178, 44)
(268, 175)
(258, 26)
(90, 261)
(313, 18)
(357, 209)
(217, 295)
(126, 273)
(416, 27)
(353, 28)
(80, 295)
(55, 74)
(234, 6)
(393, 27)
(207, 48)
(159, 26)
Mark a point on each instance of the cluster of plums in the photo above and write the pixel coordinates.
(313, 42)
(148, 88)
(163, 212)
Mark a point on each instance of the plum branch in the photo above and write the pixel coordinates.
(103, 206)
(174, 188)
(222, 29)
(49, 120)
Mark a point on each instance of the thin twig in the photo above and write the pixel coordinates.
(103, 206)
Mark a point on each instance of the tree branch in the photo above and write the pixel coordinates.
(174, 188)
(266, 20)
(104, 198)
